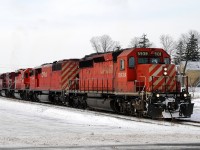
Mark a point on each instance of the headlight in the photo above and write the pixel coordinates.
(185, 95)
(165, 69)
(165, 73)
(157, 95)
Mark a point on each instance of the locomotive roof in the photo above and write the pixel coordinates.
(93, 55)
(115, 54)
(130, 50)
(60, 61)
(101, 54)
(19, 70)
(126, 52)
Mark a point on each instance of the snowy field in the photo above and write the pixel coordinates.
(24, 124)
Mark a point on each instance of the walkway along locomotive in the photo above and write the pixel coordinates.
(134, 81)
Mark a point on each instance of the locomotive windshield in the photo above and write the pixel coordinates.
(154, 60)
(148, 60)
(153, 57)
(142, 60)
(167, 61)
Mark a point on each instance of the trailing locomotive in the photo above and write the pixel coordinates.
(135, 81)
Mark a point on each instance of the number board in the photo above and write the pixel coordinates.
(157, 53)
(143, 53)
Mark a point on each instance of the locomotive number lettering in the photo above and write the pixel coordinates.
(122, 75)
(143, 53)
(44, 74)
(157, 53)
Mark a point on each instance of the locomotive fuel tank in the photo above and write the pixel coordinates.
(99, 103)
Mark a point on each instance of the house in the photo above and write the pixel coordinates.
(192, 71)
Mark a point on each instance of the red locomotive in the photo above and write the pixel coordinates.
(139, 81)
(22, 83)
(7, 84)
(134, 81)
(49, 82)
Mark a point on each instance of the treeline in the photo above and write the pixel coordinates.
(186, 48)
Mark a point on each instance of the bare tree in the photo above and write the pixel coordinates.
(95, 43)
(134, 42)
(104, 43)
(168, 44)
(140, 42)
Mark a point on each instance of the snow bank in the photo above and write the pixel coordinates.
(64, 113)
(192, 65)
(195, 92)
(31, 124)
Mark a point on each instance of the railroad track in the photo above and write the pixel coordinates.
(188, 122)
(165, 122)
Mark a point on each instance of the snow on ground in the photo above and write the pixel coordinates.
(27, 124)
(195, 65)
(196, 112)
(192, 65)
(195, 93)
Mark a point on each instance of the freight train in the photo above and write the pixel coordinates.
(133, 81)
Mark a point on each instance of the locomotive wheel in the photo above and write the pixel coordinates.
(75, 102)
(130, 109)
(29, 96)
(7, 93)
(66, 101)
(83, 102)
(116, 106)
(26, 96)
(121, 105)
(22, 95)
(51, 98)
(35, 98)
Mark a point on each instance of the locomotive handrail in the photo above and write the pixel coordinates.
(8, 85)
(144, 82)
(143, 86)
(89, 85)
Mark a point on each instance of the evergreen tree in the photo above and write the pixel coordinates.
(179, 53)
(144, 42)
(192, 50)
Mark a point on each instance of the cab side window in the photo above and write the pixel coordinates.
(26, 75)
(166, 61)
(131, 62)
(122, 65)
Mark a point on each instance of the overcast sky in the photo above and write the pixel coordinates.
(33, 32)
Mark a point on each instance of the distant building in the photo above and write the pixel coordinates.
(192, 71)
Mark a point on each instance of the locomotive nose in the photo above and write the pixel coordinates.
(162, 77)
(171, 104)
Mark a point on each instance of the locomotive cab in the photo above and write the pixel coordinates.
(136, 66)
